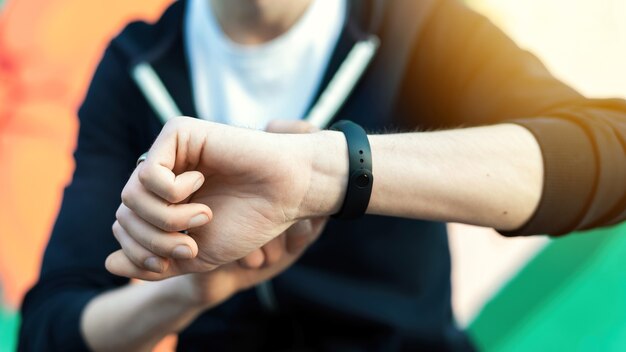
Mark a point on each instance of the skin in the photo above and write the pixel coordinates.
(136, 317)
(251, 22)
(257, 184)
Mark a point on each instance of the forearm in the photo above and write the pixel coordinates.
(137, 317)
(489, 176)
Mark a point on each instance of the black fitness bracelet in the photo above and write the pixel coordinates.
(360, 178)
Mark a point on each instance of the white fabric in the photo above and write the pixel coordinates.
(251, 85)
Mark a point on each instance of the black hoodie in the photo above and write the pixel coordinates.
(376, 284)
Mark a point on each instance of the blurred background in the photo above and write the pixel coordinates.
(522, 294)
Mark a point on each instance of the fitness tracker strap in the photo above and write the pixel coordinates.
(360, 178)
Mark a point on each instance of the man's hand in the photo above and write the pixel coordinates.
(154, 309)
(233, 189)
(211, 288)
(270, 253)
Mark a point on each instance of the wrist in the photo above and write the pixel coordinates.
(195, 292)
(328, 172)
(180, 290)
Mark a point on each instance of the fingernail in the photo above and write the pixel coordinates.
(153, 264)
(197, 185)
(198, 220)
(182, 252)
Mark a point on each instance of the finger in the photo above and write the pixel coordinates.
(164, 183)
(173, 245)
(155, 173)
(268, 270)
(301, 234)
(297, 236)
(273, 250)
(174, 148)
(118, 263)
(141, 257)
(290, 126)
(160, 213)
(317, 226)
(253, 260)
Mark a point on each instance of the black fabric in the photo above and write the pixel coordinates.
(375, 284)
(466, 72)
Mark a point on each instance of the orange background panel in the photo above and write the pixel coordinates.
(48, 52)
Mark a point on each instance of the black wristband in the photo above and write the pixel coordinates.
(360, 178)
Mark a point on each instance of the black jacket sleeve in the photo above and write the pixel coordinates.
(467, 72)
(73, 266)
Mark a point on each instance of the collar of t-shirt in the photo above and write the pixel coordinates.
(250, 85)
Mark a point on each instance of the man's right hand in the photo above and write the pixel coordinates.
(208, 289)
(233, 189)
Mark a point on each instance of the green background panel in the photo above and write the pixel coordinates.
(8, 330)
(570, 297)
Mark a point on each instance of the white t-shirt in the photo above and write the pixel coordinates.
(250, 85)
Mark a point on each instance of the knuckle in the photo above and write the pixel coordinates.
(127, 196)
(136, 258)
(109, 262)
(115, 228)
(170, 224)
(153, 245)
(128, 253)
(171, 195)
(143, 174)
(119, 214)
(158, 247)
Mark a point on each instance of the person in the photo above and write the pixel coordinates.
(212, 209)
